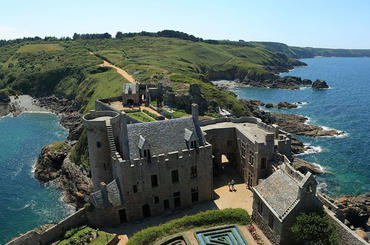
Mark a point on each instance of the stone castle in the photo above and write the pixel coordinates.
(143, 169)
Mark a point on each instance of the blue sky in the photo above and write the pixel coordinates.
(324, 23)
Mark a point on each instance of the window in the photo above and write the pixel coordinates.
(242, 146)
(166, 204)
(175, 176)
(271, 221)
(176, 199)
(146, 153)
(156, 199)
(263, 163)
(194, 194)
(193, 172)
(98, 145)
(134, 188)
(105, 167)
(260, 206)
(154, 180)
(193, 144)
(251, 158)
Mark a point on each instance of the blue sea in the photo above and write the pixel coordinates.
(345, 106)
(25, 203)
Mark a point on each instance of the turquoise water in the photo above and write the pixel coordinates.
(345, 106)
(24, 202)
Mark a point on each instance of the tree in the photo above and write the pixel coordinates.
(119, 35)
(315, 228)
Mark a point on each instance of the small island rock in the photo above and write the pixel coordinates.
(319, 84)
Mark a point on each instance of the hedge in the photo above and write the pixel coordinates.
(202, 219)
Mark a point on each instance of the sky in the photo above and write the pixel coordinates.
(314, 23)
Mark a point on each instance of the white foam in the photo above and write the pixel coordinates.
(310, 150)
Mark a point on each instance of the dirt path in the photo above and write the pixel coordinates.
(122, 72)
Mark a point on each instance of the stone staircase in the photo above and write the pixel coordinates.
(112, 144)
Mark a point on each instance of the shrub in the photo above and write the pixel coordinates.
(202, 219)
(315, 228)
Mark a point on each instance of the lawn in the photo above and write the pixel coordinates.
(34, 48)
(141, 116)
(81, 235)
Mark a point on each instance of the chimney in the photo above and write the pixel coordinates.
(195, 112)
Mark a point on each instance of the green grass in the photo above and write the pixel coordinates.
(59, 145)
(141, 116)
(203, 219)
(74, 236)
(34, 48)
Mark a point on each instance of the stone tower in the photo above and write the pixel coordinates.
(99, 126)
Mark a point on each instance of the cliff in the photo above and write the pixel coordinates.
(54, 164)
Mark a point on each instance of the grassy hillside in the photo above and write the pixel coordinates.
(67, 68)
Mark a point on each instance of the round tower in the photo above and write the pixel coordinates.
(99, 126)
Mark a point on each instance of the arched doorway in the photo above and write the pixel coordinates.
(130, 102)
(146, 210)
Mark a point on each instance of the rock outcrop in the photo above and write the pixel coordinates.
(50, 161)
(296, 124)
(356, 209)
(304, 166)
(319, 84)
(71, 117)
(53, 164)
(287, 82)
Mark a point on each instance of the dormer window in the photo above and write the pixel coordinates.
(190, 139)
(146, 153)
(143, 146)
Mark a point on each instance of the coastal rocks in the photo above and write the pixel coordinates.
(50, 160)
(71, 117)
(296, 124)
(287, 82)
(54, 164)
(304, 166)
(4, 98)
(286, 105)
(73, 122)
(75, 182)
(319, 84)
(282, 105)
(356, 209)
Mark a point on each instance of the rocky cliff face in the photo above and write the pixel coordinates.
(356, 210)
(54, 164)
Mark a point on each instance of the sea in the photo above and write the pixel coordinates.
(25, 203)
(345, 106)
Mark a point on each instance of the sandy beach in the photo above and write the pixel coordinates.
(19, 104)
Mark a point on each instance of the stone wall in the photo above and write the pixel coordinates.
(53, 233)
(347, 236)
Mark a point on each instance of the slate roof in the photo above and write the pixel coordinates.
(280, 191)
(128, 86)
(161, 136)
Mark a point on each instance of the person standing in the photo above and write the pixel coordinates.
(232, 185)
(229, 184)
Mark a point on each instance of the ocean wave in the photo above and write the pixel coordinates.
(28, 204)
(9, 115)
(310, 150)
(38, 112)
